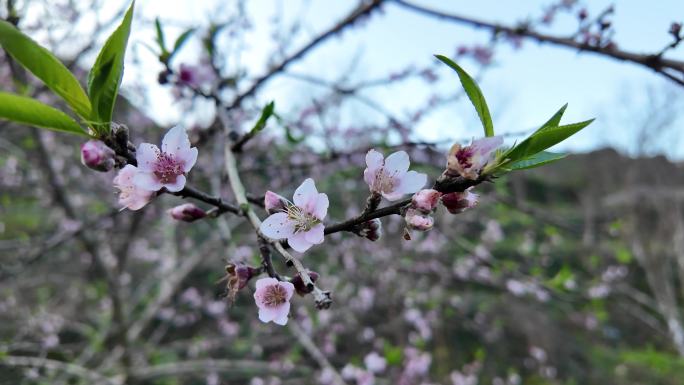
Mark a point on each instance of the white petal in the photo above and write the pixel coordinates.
(188, 157)
(299, 243)
(411, 182)
(277, 226)
(289, 289)
(315, 235)
(263, 282)
(486, 145)
(321, 207)
(267, 314)
(394, 195)
(146, 155)
(306, 194)
(374, 161)
(178, 185)
(283, 311)
(397, 163)
(147, 181)
(176, 141)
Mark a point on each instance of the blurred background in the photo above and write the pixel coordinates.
(572, 273)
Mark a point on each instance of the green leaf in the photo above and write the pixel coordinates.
(555, 119)
(180, 41)
(536, 160)
(45, 66)
(266, 113)
(105, 76)
(34, 113)
(160, 36)
(474, 94)
(544, 138)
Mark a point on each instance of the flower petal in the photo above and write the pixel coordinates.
(397, 163)
(267, 314)
(315, 235)
(321, 207)
(175, 141)
(147, 181)
(178, 185)
(299, 243)
(289, 289)
(374, 162)
(147, 155)
(484, 146)
(411, 182)
(188, 157)
(277, 226)
(263, 282)
(305, 195)
(283, 312)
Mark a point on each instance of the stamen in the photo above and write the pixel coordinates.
(275, 295)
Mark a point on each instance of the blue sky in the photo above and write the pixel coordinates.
(523, 87)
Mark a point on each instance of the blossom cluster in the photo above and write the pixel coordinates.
(300, 222)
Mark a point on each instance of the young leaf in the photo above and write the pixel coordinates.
(160, 36)
(34, 113)
(266, 113)
(180, 41)
(474, 94)
(544, 138)
(536, 160)
(556, 118)
(45, 66)
(105, 76)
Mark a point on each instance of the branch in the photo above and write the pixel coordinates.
(202, 367)
(46, 363)
(365, 8)
(654, 61)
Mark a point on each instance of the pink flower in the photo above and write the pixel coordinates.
(458, 202)
(274, 203)
(273, 299)
(390, 177)
(166, 168)
(96, 155)
(187, 212)
(469, 161)
(426, 200)
(131, 196)
(196, 75)
(416, 220)
(301, 222)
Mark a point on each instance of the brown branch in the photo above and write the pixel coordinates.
(655, 61)
(364, 9)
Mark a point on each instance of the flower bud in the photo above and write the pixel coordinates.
(187, 212)
(416, 220)
(97, 156)
(274, 203)
(469, 161)
(458, 202)
(676, 30)
(426, 200)
(371, 229)
(299, 285)
(238, 276)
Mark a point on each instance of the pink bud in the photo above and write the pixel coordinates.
(97, 156)
(426, 200)
(299, 285)
(371, 229)
(187, 212)
(458, 202)
(416, 220)
(274, 203)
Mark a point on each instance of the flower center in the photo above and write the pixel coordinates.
(464, 157)
(275, 295)
(303, 220)
(384, 182)
(167, 168)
